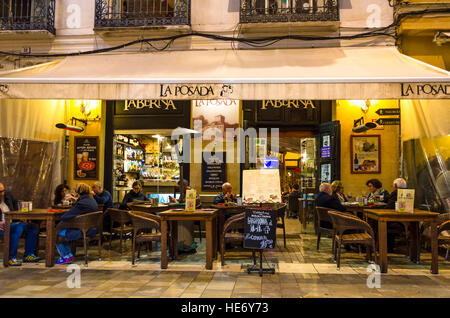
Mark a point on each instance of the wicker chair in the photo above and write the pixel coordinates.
(343, 222)
(322, 216)
(85, 222)
(123, 219)
(143, 224)
(230, 233)
(443, 225)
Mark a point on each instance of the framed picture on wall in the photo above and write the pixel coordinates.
(365, 154)
(86, 158)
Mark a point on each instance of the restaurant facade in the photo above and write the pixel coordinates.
(132, 101)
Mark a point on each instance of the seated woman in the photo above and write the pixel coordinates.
(62, 193)
(338, 191)
(83, 205)
(134, 194)
(377, 193)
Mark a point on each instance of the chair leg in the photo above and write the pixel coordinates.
(121, 237)
(200, 230)
(139, 251)
(375, 257)
(110, 239)
(446, 254)
(133, 247)
(222, 252)
(318, 239)
(85, 250)
(339, 256)
(100, 247)
(284, 233)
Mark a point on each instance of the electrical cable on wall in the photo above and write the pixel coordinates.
(258, 42)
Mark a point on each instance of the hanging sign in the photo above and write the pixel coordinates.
(388, 121)
(260, 228)
(86, 158)
(388, 111)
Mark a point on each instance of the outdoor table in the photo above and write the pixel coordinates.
(150, 208)
(39, 215)
(172, 216)
(302, 211)
(356, 208)
(382, 216)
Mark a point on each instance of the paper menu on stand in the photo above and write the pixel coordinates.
(191, 196)
(405, 200)
(261, 185)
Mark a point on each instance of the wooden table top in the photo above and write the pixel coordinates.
(34, 212)
(150, 206)
(392, 213)
(182, 213)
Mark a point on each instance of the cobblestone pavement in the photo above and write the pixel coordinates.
(301, 271)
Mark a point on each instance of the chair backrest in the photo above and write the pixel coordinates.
(236, 222)
(83, 222)
(143, 222)
(344, 221)
(322, 214)
(119, 216)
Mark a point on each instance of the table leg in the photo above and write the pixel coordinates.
(209, 244)
(220, 225)
(6, 235)
(174, 225)
(215, 238)
(414, 245)
(50, 242)
(434, 249)
(382, 245)
(163, 244)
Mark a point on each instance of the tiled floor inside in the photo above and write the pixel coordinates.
(301, 271)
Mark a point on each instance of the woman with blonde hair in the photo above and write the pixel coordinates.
(338, 191)
(84, 204)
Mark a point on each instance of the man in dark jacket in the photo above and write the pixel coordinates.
(102, 196)
(134, 194)
(83, 205)
(293, 201)
(9, 203)
(326, 200)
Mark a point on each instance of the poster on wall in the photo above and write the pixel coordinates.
(365, 154)
(86, 158)
(214, 117)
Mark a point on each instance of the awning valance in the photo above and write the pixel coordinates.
(321, 73)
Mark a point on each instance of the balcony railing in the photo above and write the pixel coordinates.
(132, 13)
(27, 15)
(263, 11)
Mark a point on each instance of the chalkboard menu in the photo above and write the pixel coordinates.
(260, 228)
(86, 158)
(214, 172)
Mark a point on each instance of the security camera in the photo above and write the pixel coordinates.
(70, 127)
(362, 127)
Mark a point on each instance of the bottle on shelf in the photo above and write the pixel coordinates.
(355, 163)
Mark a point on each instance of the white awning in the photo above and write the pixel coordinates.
(321, 73)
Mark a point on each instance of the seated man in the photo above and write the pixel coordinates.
(394, 228)
(398, 183)
(293, 200)
(83, 205)
(102, 196)
(325, 198)
(134, 194)
(181, 200)
(226, 195)
(9, 203)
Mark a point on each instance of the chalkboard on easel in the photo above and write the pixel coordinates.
(260, 228)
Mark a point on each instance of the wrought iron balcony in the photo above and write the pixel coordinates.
(263, 11)
(27, 15)
(133, 13)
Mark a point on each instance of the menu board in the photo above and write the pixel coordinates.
(261, 185)
(405, 200)
(260, 228)
(86, 158)
(214, 173)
